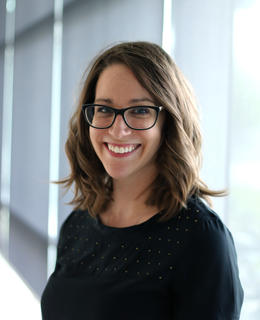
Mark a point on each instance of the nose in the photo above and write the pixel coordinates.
(119, 128)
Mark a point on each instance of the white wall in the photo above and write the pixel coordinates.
(203, 50)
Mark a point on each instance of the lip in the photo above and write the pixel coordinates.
(122, 155)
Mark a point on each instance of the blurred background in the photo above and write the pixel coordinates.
(45, 46)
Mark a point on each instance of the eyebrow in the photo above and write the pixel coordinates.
(136, 100)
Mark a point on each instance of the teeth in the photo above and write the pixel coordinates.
(117, 149)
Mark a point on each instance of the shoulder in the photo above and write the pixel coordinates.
(200, 217)
(75, 223)
(206, 235)
(74, 217)
(199, 209)
(74, 228)
(202, 229)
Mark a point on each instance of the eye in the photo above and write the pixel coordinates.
(104, 109)
(141, 110)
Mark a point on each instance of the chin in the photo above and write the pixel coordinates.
(117, 176)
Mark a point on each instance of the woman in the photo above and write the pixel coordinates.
(141, 242)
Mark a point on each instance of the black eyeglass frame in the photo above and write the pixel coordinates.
(121, 112)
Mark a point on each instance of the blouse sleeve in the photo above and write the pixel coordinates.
(208, 287)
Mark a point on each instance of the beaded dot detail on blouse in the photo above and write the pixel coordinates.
(146, 250)
(153, 270)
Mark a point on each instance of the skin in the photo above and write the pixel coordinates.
(132, 172)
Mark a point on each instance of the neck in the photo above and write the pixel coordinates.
(129, 207)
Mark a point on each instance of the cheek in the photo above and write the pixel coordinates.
(157, 139)
(158, 134)
(96, 138)
(93, 136)
(91, 133)
(153, 140)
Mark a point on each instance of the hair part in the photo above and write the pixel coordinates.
(179, 156)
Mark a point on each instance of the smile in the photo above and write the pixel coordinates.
(119, 149)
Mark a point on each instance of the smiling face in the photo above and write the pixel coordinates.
(125, 153)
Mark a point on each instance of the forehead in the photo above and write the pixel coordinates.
(117, 81)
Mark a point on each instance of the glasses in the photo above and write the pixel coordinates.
(137, 117)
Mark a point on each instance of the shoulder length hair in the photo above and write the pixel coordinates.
(179, 156)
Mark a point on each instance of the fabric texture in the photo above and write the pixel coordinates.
(182, 269)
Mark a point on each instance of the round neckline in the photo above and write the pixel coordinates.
(141, 225)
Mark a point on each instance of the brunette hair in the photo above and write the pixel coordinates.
(179, 156)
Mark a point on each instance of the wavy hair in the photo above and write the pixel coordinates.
(179, 156)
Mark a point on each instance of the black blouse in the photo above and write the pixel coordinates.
(182, 269)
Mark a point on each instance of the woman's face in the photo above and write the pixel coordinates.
(117, 87)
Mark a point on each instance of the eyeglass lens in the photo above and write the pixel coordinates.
(139, 117)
